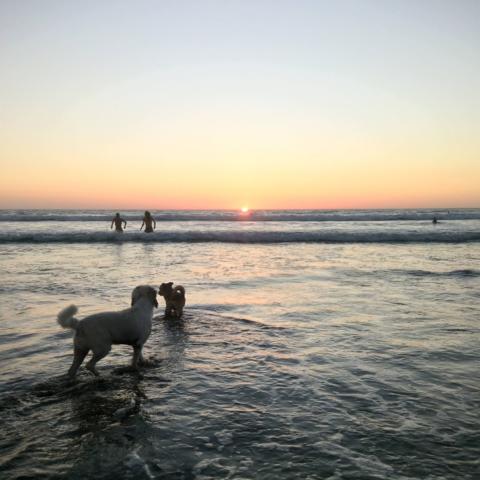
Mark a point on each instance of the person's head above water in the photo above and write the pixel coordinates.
(117, 214)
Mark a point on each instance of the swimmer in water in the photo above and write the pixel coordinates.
(148, 220)
(434, 221)
(118, 221)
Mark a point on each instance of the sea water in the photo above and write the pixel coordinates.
(314, 345)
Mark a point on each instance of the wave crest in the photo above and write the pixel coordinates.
(251, 237)
(253, 216)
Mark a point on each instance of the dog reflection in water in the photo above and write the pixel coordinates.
(100, 331)
(174, 299)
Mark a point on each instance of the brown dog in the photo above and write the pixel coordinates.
(174, 299)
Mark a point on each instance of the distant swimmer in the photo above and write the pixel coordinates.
(119, 222)
(148, 221)
(434, 221)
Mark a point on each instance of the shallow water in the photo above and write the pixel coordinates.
(293, 360)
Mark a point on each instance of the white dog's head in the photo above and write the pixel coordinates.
(144, 291)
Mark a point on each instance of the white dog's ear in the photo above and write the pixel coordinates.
(134, 296)
(152, 293)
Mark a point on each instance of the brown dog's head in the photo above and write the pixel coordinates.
(166, 289)
(144, 291)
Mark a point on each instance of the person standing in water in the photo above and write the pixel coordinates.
(118, 221)
(149, 222)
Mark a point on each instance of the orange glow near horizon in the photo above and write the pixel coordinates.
(275, 182)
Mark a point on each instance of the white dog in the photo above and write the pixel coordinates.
(99, 331)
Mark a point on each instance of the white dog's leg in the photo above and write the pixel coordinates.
(95, 358)
(78, 357)
(137, 356)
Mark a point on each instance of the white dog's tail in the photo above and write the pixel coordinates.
(66, 317)
(179, 290)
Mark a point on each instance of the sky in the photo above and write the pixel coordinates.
(223, 104)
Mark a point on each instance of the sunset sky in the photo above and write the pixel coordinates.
(220, 104)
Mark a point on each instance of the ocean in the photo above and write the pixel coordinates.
(314, 345)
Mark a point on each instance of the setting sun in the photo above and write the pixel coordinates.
(244, 209)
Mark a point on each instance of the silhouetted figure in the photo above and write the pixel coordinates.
(434, 221)
(118, 222)
(149, 222)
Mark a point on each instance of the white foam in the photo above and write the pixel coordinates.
(248, 237)
(253, 216)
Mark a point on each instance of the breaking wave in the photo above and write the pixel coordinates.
(464, 273)
(234, 216)
(250, 237)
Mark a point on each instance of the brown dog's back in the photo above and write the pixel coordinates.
(179, 291)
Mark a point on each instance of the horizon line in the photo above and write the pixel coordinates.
(232, 209)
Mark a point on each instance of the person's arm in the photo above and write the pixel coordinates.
(143, 223)
(125, 224)
(111, 226)
(154, 223)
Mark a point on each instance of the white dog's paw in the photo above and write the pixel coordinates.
(148, 362)
(92, 369)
